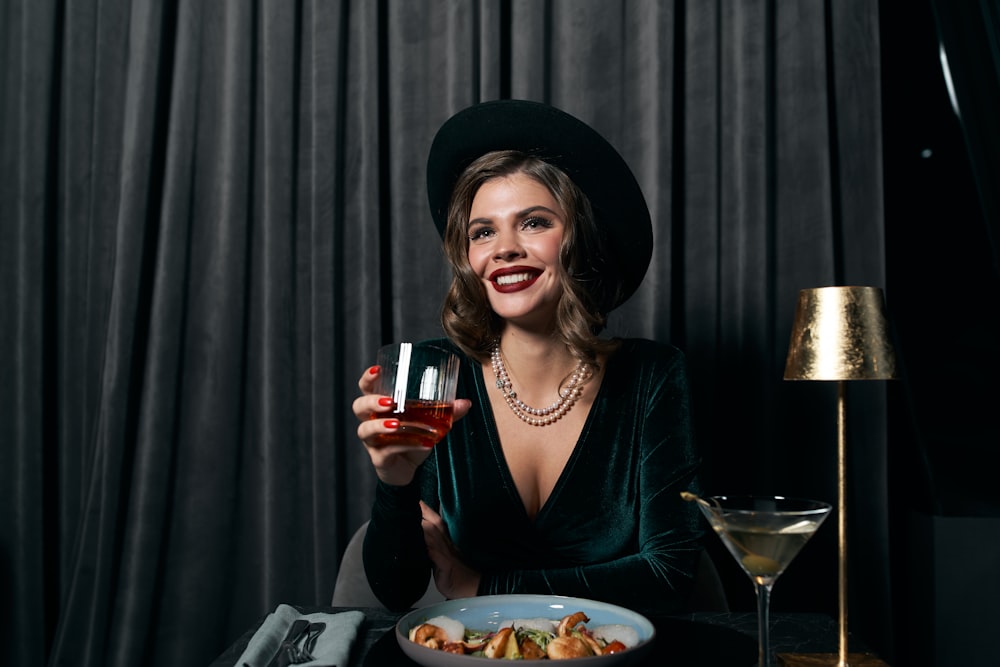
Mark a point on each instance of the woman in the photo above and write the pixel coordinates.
(562, 472)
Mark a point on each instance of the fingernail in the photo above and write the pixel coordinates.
(391, 423)
(385, 402)
(373, 370)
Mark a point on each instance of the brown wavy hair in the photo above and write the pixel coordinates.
(590, 288)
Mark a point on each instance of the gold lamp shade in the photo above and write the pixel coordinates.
(840, 333)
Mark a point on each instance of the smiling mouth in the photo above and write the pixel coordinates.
(512, 278)
(514, 281)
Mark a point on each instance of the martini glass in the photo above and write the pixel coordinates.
(764, 534)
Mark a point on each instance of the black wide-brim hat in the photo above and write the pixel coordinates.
(560, 139)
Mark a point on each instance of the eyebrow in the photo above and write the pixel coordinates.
(520, 215)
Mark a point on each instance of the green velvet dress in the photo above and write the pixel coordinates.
(614, 528)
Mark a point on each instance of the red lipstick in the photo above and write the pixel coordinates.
(514, 278)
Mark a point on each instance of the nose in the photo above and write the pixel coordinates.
(508, 248)
(506, 254)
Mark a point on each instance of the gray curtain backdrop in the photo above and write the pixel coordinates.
(213, 213)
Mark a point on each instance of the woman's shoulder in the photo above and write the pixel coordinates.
(640, 364)
(643, 351)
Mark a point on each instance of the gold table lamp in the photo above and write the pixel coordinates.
(840, 334)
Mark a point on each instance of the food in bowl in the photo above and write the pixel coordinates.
(526, 639)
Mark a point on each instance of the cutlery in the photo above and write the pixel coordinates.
(299, 643)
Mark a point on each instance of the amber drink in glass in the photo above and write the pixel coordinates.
(421, 380)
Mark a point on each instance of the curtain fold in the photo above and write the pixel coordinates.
(26, 445)
(969, 35)
(212, 214)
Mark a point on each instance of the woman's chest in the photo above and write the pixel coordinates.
(536, 457)
(566, 492)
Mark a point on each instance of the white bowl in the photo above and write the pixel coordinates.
(488, 612)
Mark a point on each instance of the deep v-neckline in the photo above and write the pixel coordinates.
(500, 455)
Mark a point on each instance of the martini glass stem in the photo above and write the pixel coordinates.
(763, 624)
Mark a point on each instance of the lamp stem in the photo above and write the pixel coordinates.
(842, 523)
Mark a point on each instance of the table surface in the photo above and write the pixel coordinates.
(705, 638)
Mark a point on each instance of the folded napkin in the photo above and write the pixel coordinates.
(330, 648)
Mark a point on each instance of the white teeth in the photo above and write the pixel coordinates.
(512, 278)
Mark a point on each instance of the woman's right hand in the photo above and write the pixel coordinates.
(394, 464)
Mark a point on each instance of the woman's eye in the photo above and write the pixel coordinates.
(480, 234)
(535, 223)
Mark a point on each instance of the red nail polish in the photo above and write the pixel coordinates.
(391, 423)
(373, 370)
(385, 402)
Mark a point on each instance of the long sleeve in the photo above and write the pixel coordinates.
(395, 555)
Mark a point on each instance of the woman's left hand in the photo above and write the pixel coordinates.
(453, 578)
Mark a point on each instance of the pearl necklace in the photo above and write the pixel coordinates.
(539, 416)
